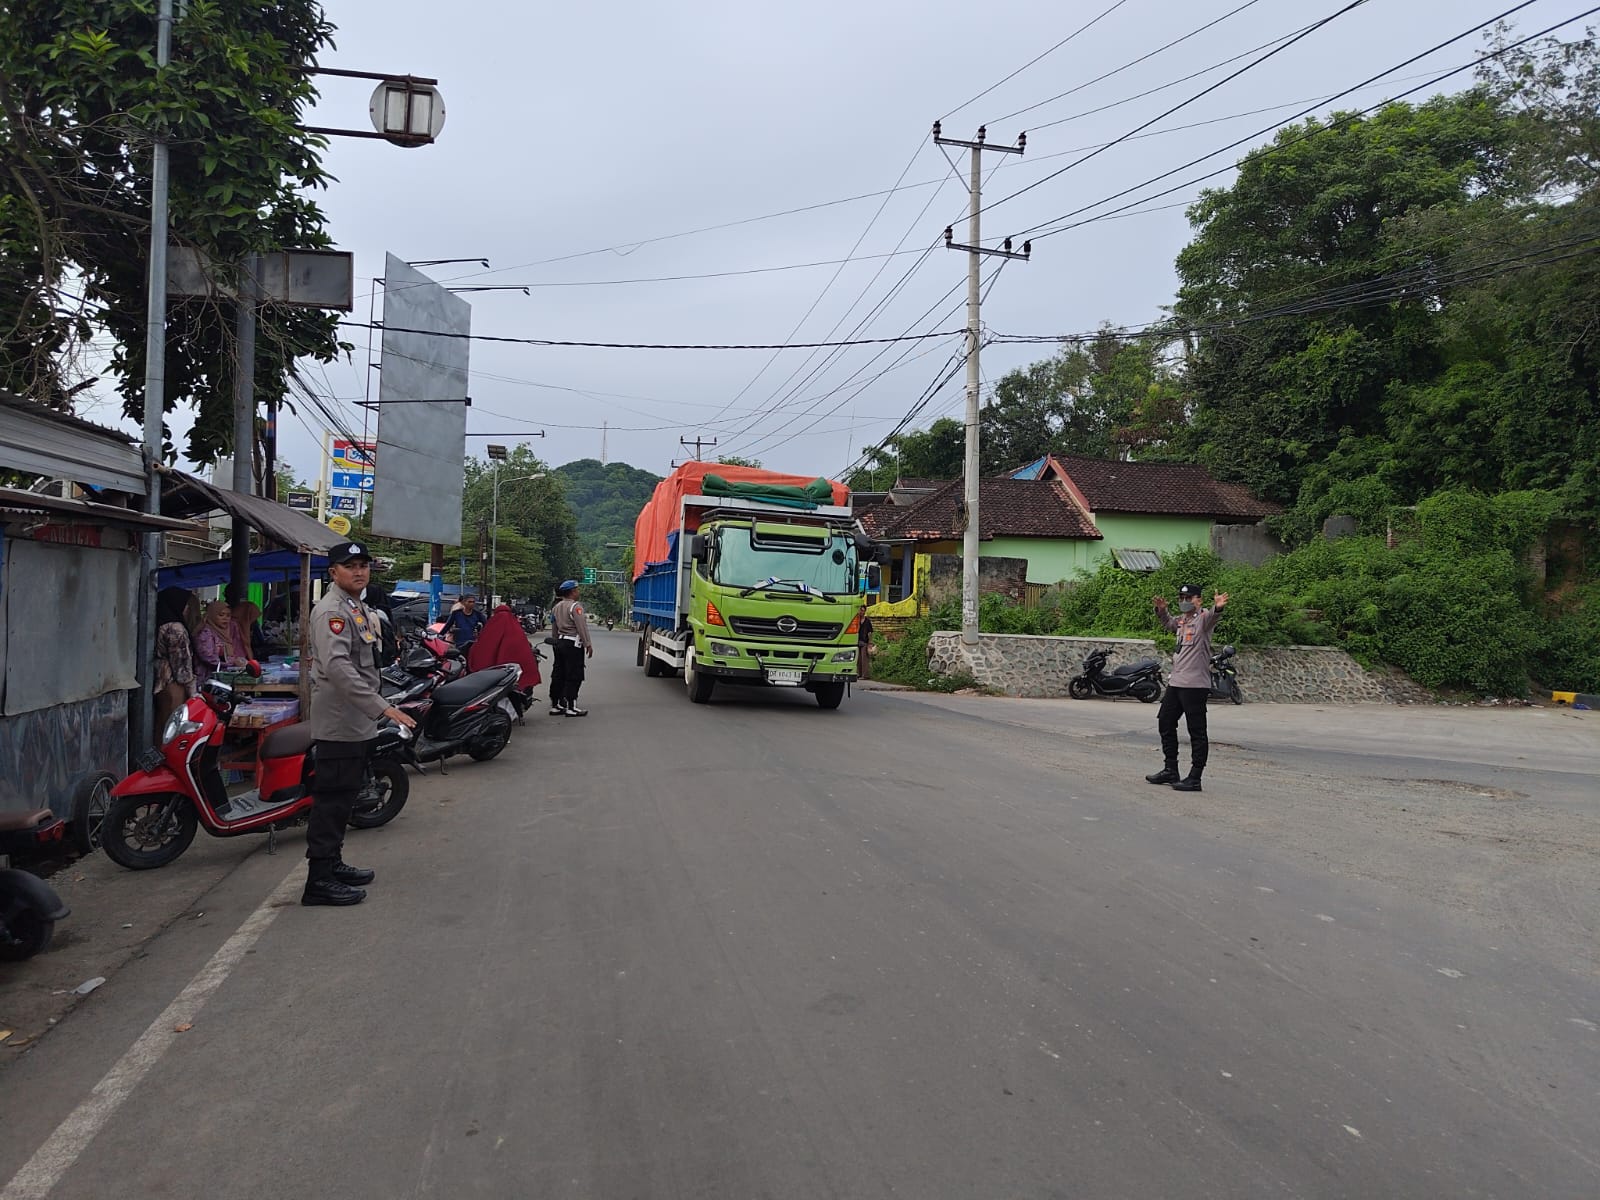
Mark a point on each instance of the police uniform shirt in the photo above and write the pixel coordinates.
(347, 700)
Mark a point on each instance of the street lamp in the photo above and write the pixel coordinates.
(494, 535)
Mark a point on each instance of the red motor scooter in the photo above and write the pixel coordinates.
(154, 812)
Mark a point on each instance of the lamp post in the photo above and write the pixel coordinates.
(497, 455)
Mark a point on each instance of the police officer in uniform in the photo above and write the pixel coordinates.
(572, 646)
(345, 708)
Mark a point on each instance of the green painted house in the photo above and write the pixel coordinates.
(1063, 514)
(1143, 510)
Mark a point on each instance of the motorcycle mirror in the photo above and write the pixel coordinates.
(253, 669)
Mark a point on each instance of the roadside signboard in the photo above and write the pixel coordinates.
(302, 501)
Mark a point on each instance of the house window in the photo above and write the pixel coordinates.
(1137, 560)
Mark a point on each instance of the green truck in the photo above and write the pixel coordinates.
(756, 590)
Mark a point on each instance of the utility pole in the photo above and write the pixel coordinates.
(697, 444)
(244, 420)
(969, 537)
(142, 732)
(605, 427)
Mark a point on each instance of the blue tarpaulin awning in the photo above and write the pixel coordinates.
(270, 566)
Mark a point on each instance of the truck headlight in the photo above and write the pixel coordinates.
(723, 650)
(844, 656)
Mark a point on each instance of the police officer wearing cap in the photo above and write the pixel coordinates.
(1189, 685)
(572, 646)
(346, 706)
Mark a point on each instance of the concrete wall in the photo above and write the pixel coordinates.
(1005, 576)
(1247, 545)
(1020, 665)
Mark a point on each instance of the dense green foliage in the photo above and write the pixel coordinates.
(80, 98)
(1452, 604)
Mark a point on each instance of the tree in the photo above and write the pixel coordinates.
(734, 460)
(532, 509)
(80, 99)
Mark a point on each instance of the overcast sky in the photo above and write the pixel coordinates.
(578, 128)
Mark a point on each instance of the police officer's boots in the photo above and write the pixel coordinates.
(1167, 774)
(323, 888)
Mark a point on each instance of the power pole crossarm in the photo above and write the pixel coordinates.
(976, 252)
(698, 444)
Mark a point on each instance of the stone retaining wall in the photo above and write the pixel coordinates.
(1022, 665)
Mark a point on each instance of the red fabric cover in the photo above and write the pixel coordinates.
(660, 517)
(504, 641)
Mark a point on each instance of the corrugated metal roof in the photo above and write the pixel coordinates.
(1137, 560)
(41, 441)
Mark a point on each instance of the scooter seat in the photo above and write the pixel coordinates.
(291, 741)
(469, 687)
(18, 822)
(1135, 668)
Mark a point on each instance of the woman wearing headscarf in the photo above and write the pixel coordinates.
(504, 641)
(218, 640)
(174, 674)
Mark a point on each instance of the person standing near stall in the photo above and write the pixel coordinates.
(174, 677)
(345, 708)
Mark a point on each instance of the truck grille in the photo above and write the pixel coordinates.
(768, 627)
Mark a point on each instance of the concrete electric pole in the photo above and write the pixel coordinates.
(969, 539)
(699, 445)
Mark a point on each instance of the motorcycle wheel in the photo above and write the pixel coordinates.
(383, 796)
(89, 804)
(488, 744)
(26, 934)
(1234, 693)
(1080, 688)
(1148, 693)
(136, 834)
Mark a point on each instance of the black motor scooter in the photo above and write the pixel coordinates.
(29, 907)
(471, 715)
(1141, 679)
(1225, 676)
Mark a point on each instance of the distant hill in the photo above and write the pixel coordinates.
(606, 498)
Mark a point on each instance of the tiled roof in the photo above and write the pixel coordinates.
(1006, 508)
(919, 485)
(1168, 489)
(871, 517)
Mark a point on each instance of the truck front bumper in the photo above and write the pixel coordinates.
(759, 663)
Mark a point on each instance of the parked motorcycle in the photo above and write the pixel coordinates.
(1141, 679)
(471, 715)
(29, 907)
(1225, 676)
(154, 811)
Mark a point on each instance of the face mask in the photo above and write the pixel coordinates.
(1187, 606)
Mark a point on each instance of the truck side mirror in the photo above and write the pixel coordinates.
(700, 548)
(874, 578)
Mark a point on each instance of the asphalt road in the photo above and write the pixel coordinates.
(919, 948)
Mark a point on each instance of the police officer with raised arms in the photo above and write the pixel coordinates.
(346, 706)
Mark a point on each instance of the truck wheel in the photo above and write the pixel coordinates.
(700, 686)
(829, 695)
(643, 659)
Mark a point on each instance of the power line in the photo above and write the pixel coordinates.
(1249, 66)
(526, 341)
(1279, 146)
(1131, 63)
(828, 286)
(1036, 58)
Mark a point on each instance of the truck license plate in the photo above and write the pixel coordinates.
(785, 678)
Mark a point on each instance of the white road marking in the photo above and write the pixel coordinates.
(40, 1174)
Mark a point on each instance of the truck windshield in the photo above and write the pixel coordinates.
(745, 560)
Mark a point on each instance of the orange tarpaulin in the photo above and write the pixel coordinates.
(660, 517)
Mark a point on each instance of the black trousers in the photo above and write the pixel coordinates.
(1191, 702)
(341, 770)
(566, 676)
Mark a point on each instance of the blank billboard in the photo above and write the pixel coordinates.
(422, 412)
